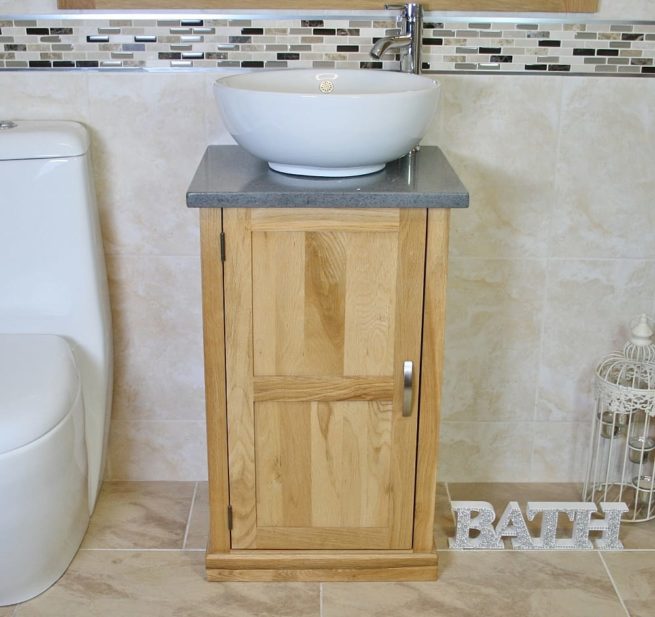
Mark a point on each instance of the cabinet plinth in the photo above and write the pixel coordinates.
(323, 337)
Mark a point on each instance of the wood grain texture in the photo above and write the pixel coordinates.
(325, 219)
(322, 468)
(407, 346)
(215, 395)
(323, 566)
(562, 6)
(323, 388)
(301, 279)
(324, 538)
(310, 299)
(283, 466)
(239, 370)
(325, 303)
(360, 575)
(244, 559)
(430, 390)
(278, 303)
(351, 459)
(370, 286)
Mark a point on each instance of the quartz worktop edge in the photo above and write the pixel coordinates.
(228, 176)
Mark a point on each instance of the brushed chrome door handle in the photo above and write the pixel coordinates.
(408, 387)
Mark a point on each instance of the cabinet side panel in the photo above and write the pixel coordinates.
(430, 392)
(214, 346)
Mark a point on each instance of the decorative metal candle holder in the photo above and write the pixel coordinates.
(622, 454)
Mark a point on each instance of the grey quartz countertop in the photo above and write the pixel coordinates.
(228, 176)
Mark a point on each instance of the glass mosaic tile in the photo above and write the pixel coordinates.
(449, 44)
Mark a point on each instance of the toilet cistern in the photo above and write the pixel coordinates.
(408, 43)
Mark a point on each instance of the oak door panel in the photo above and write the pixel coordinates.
(340, 449)
(322, 309)
(303, 324)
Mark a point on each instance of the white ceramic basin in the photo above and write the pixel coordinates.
(327, 122)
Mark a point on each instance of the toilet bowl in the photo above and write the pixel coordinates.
(55, 353)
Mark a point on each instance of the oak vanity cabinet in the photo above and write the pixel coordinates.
(323, 343)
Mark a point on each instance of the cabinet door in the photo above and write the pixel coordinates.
(323, 308)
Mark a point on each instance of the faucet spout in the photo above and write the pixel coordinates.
(388, 43)
(408, 42)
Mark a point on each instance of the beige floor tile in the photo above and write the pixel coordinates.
(163, 584)
(6, 611)
(199, 519)
(639, 535)
(504, 584)
(633, 574)
(140, 515)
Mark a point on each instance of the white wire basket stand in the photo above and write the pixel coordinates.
(622, 453)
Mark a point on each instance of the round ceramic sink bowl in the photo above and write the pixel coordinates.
(327, 122)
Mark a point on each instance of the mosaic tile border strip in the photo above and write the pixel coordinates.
(454, 45)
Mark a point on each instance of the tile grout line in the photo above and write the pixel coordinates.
(614, 585)
(188, 521)
(320, 599)
(143, 550)
(508, 550)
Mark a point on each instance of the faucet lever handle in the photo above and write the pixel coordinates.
(409, 10)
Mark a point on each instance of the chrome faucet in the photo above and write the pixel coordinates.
(408, 42)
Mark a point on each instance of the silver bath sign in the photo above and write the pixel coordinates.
(479, 516)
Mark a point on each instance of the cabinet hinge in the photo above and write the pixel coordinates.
(222, 246)
(229, 517)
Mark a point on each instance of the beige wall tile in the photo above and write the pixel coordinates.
(501, 136)
(34, 6)
(149, 134)
(493, 330)
(633, 575)
(494, 584)
(605, 184)
(39, 95)
(140, 515)
(560, 451)
(625, 9)
(589, 306)
(157, 324)
(158, 583)
(485, 451)
(156, 450)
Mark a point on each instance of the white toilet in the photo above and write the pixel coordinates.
(55, 353)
